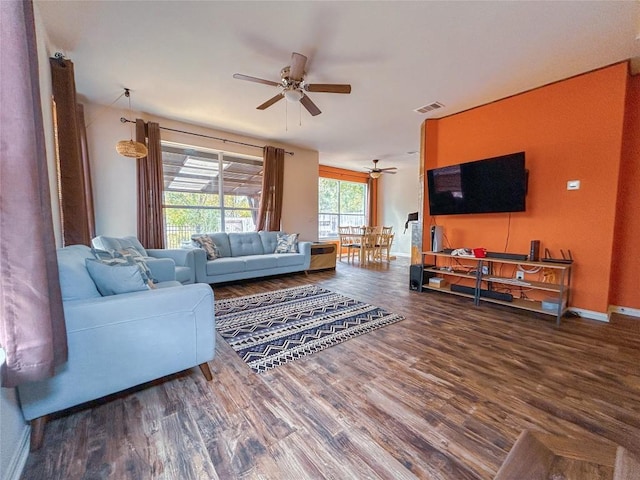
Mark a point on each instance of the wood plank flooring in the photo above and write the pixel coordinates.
(443, 394)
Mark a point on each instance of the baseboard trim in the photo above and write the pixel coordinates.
(632, 312)
(19, 459)
(590, 314)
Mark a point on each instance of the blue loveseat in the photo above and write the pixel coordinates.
(119, 341)
(248, 255)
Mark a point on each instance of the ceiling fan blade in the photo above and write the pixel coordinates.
(240, 76)
(328, 88)
(310, 106)
(387, 169)
(270, 102)
(296, 69)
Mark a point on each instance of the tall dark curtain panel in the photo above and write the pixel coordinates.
(270, 210)
(86, 171)
(75, 192)
(32, 328)
(372, 201)
(150, 186)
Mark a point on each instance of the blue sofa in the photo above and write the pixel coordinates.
(165, 264)
(248, 255)
(120, 341)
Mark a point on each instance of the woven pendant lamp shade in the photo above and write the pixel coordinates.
(131, 149)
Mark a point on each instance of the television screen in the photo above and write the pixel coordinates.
(493, 185)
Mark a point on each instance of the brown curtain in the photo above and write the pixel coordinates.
(270, 210)
(372, 194)
(86, 171)
(32, 329)
(150, 186)
(76, 203)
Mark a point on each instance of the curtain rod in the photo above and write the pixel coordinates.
(223, 140)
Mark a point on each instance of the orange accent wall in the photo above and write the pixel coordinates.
(570, 130)
(625, 279)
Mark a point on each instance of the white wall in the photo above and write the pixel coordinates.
(398, 195)
(114, 176)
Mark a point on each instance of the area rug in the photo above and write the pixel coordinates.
(271, 329)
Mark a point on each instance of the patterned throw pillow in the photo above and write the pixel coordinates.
(205, 242)
(139, 260)
(287, 243)
(128, 256)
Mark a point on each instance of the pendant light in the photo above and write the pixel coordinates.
(129, 148)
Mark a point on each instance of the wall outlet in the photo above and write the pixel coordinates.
(519, 275)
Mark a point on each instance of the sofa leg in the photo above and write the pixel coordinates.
(204, 367)
(37, 432)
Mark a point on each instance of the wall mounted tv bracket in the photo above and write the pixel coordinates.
(565, 258)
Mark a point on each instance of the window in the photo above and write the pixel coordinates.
(208, 191)
(340, 204)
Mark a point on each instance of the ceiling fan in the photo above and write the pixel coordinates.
(294, 87)
(375, 172)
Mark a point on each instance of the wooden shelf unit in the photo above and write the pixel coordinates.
(471, 268)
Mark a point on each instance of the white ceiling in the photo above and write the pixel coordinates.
(178, 58)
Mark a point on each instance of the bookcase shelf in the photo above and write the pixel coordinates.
(486, 284)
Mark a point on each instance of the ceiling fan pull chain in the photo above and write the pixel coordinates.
(299, 114)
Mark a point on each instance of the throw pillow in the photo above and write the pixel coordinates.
(287, 243)
(205, 242)
(115, 278)
(140, 261)
(127, 256)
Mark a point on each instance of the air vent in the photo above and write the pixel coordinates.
(430, 107)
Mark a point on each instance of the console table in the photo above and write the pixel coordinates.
(323, 255)
(485, 278)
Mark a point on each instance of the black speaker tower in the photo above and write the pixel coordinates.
(534, 253)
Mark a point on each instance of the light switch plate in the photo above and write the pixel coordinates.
(573, 185)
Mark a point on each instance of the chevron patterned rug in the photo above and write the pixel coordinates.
(271, 329)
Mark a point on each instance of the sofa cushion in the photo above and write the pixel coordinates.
(225, 265)
(260, 262)
(205, 242)
(289, 260)
(183, 274)
(75, 281)
(245, 243)
(269, 241)
(115, 278)
(287, 243)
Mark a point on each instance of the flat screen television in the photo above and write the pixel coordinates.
(492, 185)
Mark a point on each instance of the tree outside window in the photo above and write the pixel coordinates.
(340, 204)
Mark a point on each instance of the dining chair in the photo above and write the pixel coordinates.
(358, 244)
(384, 246)
(346, 241)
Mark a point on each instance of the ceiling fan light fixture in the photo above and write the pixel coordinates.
(293, 95)
(375, 174)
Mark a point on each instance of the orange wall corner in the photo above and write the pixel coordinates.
(625, 285)
(569, 130)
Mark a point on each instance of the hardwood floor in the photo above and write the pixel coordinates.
(442, 394)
